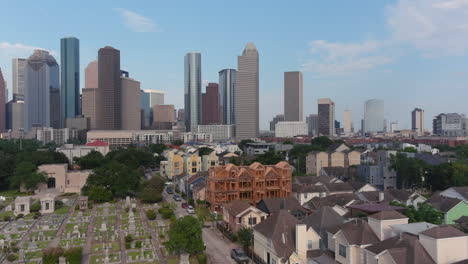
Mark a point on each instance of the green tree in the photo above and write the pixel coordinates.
(409, 170)
(410, 150)
(269, 158)
(204, 151)
(185, 236)
(132, 157)
(424, 213)
(177, 142)
(151, 214)
(244, 142)
(91, 160)
(245, 236)
(152, 189)
(26, 176)
(323, 142)
(157, 148)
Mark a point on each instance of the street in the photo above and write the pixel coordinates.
(218, 248)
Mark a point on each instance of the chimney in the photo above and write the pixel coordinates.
(381, 196)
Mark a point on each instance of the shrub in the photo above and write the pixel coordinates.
(128, 238)
(51, 255)
(58, 204)
(37, 215)
(151, 214)
(15, 248)
(191, 202)
(74, 255)
(19, 216)
(127, 245)
(201, 258)
(138, 244)
(6, 218)
(161, 235)
(12, 257)
(77, 207)
(35, 207)
(90, 205)
(166, 213)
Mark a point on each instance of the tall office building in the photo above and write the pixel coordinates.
(156, 97)
(276, 119)
(417, 121)
(374, 120)
(89, 94)
(2, 103)
(347, 122)
(247, 93)
(227, 82)
(41, 91)
(109, 89)
(180, 115)
(145, 109)
(18, 78)
(91, 75)
(192, 99)
(210, 105)
(293, 96)
(326, 117)
(131, 114)
(70, 77)
(312, 124)
(164, 113)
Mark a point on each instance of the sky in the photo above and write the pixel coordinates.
(410, 53)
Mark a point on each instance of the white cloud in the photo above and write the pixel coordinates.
(137, 22)
(436, 27)
(339, 59)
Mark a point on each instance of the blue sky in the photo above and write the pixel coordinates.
(410, 53)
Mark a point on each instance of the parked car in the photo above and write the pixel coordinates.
(169, 191)
(184, 205)
(177, 198)
(190, 209)
(239, 256)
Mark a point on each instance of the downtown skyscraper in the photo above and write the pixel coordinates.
(293, 99)
(417, 121)
(70, 76)
(227, 84)
(374, 120)
(192, 91)
(247, 93)
(2, 103)
(109, 114)
(326, 117)
(41, 91)
(210, 105)
(18, 66)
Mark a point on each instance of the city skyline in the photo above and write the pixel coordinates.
(380, 51)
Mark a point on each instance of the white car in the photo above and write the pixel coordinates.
(190, 209)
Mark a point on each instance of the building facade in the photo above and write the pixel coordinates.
(450, 125)
(293, 96)
(276, 119)
(192, 99)
(131, 112)
(249, 183)
(417, 121)
(291, 129)
(210, 105)
(347, 122)
(70, 77)
(3, 100)
(163, 113)
(219, 132)
(326, 117)
(18, 67)
(374, 120)
(41, 91)
(109, 114)
(156, 97)
(247, 93)
(227, 84)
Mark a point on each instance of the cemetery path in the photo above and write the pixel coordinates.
(30, 230)
(63, 225)
(154, 235)
(89, 237)
(118, 221)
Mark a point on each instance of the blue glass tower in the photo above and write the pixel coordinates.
(70, 77)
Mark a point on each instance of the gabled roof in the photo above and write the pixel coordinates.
(314, 179)
(323, 219)
(331, 200)
(274, 205)
(462, 220)
(373, 208)
(387, 215)
(404, 249)
(281, 229)
(358, 232)
(443, 231)
(309, 188)
(236, 207)
(339, 187)
(443, 203)
(412, 228)
(463, 191)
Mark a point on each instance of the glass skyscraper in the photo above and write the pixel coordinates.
(227, 80)
(374, 120)
(192, 98)
(70, 76)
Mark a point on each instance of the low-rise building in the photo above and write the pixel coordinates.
(192, 163)
(291, 129)
(337, 156)
(240, 214)
(63, 180)
(77, 151)
(258, 148)
(452, 208)
(219, 132)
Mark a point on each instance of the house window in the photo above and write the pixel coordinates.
(194, 164)
(22, 208)
(252, 220)
(342, 250)
(213, 163)
(309, 244)
(240, 220)
(194, 170)
(305, 195)
(262, 218)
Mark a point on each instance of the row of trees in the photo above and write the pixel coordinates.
(415, 172)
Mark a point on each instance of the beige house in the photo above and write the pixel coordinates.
(381, 223)
(340, 156)
(445, 244)
(63, 180)
(209, 161)
(175, 163)
(239, 214)
(192, 163)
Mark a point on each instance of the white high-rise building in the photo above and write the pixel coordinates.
(347, 122)
(291, 129)
(156, 97)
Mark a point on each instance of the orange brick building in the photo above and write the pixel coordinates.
(249, 183)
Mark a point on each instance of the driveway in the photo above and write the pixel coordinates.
(218, 248)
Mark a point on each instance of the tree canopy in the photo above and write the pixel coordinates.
(90, 161)
(185, 236)
(424, 213)
(26, 176)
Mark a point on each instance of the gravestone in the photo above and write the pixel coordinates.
(127, 202)
(62, 260)
(103, 227)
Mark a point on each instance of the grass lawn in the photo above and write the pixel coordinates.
(12, 193)
(101, 258)
(98, 247)
(6, 213)
(63, 210)
(193, 260)
(203, 213)
(173, 260)
(33, 254)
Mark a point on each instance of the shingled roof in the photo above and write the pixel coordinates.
(281, 229)
(387, 215)
(404, 249)
(443, 203)
(443, 231)
(323, 219)
(236, 207)
(331, 200)
(358, 232)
